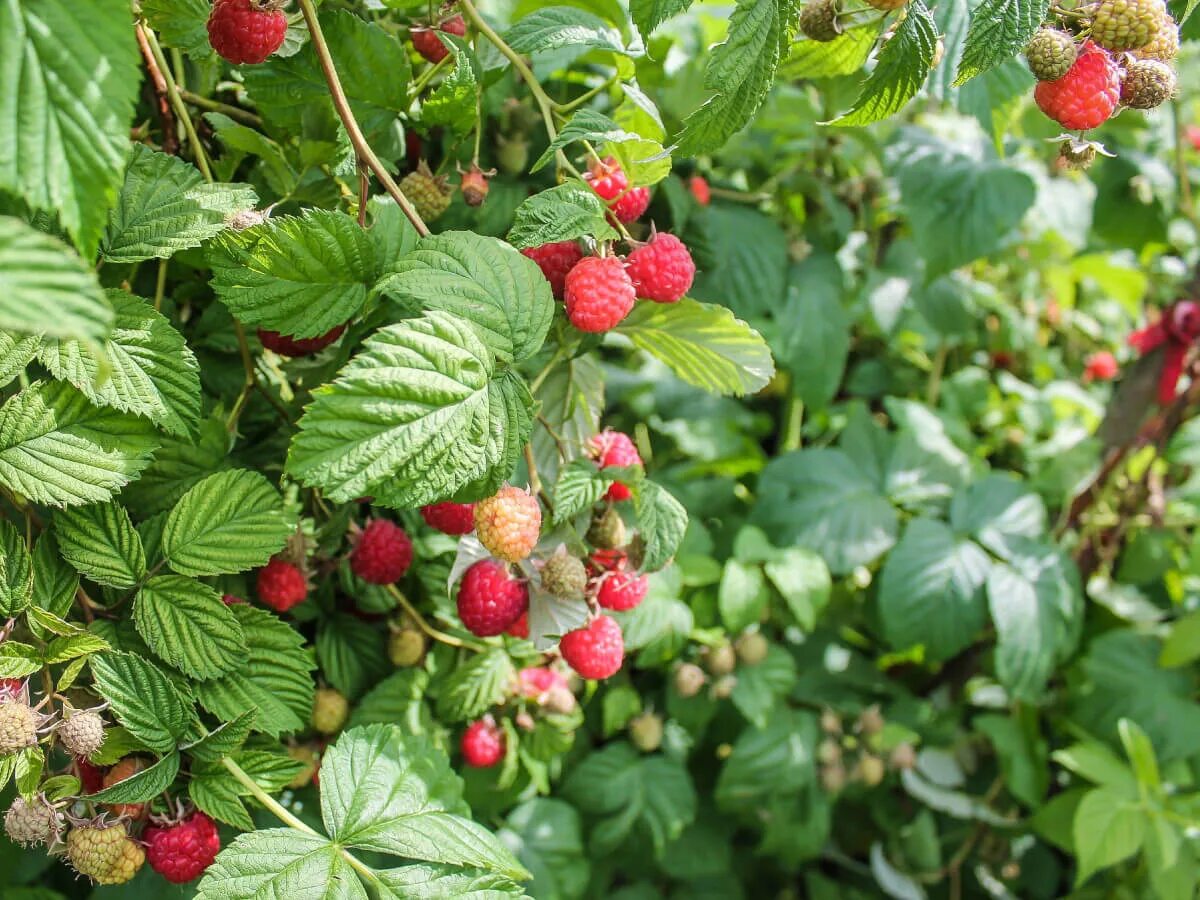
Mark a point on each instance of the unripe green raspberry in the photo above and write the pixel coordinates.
(720, 660)
(819, 20)
(104, 853)
(564, 576)
(1147, 83)
(309, 764)
(1164, 46)
(870, 720)
(18, 726)
(82, 733)
(870, 770)
(428, 193)
(722, 688)
(1050, 53)
(1126, 24)
(32, 823)
(330, 711)
(646, 732)
(406, 647)
(607, 531)
(752, 648)
(689, 679)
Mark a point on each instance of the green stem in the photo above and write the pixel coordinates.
(424, 78)
(180, 107)
(934, 388)
(276, 808)
(234, 112)
(563, 108)
(793, 425)
(439, 636)
(160, 285)
(248, 384)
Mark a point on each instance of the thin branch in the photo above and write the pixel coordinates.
(177, 102)
(439, 636)
(234, 112)
(170, 140)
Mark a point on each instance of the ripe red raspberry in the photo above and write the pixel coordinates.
(482, 744)
(180, 853)
(232, 600)
(610, 182)
(700, 190)
(383, 553)
(599, 293)
(490, 599)
(246, 31)
(281, 585)
(519, 628)
(621, 591)
(661, 270)
(10, 687)
(90, 776)
(614, 448)
(595, 651)
(285, 345)
(1087, 95)
(1101, 366)
(555, 260)
(426, 42)
(450, 518)
(508, 523)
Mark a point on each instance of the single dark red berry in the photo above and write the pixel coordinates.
(182, 852)
(595, 651)
(555, 260)
(490, 599)
(598, 293)
(450, 518)
(383, 553)
(661, 270)
(426, 42)
(1101, 366)
(285, 345)
(621, 591)
(281, 585)
(482, 744)
(1087, 95)
(614, 448)
(246, 32)
(610, 182)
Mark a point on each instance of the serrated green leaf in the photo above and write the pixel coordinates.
(571, 400)
(54, 582)
(394, 235)
(662, 520)
(280, 862)
(165, 205)
(904, 62)
(58, 449)
(179, 465)
(649, 14)
(186, 623)
(18, 660)
(16, 570)
(452, 103)
(429, 882)
(1000, 29)
(181, 23)
(580, 486)
(229, 522)
(71, 72)
(143, 699)
(1108, 828)
(416, 417)
(27, 773)
(45, 287)
(597, 128)
(99, 541)
(351, 653)
(562, 27)
(74, 646)
(845, 55)
(483, 280)
(298, 275)
(273, 164)
(703, 344)
(16, 353)
(142, 786)
(224, 740)
(473, 687)
(562, 213)
(219, 797)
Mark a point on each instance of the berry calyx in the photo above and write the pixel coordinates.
(82, 733)
(426, 42)
(182, 852)
(105, 853)
(1050, 54)
(611, 184)
(285, 345)
(18, 726)
(564, 576)
(595, 651)
(1087, 95)
(555, 260)
(698, 185)
(382, 554)
(32, 822)
(621, 591)
(599, 293)
(482, 744)
(450, 518)
(661, 270)
(508, 523)
(281, 585)
(429, 193)
(615, 449)
(819, 20)
(1147, 83)
(246, 32)
(490, 599)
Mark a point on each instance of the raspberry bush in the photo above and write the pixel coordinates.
(598, 450)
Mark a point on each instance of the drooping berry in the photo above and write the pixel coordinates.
(1126, 24)
(286, 345)
(406, 647)
(383, 553)
(752, 648)
(819, 20)
(615, 449)
(483, 744)
(689, 679)
(1087, 95)
(646, 731)
(720, 659)
(1050, 53)
(18, 725)
(426, 42)
(555, 260)
(105, 853)
(246, 32)
(621, 591)
(1147, 83)
(698, 185)
(82, 733)
(281, 585)
(474, 185)
(330, 711)
(595, 651)
(508, 523)
(661, 270)
(607, 530)
(125, 769)
(182, 852)
(1101, 366)
(32, 822)
(450, 518)
(599, 293)
(490, 599)
(610, 182)
(429, 193)
(564, 576)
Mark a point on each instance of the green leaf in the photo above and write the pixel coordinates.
(742, 595)
(845, 55)
(399, 698)
(393, 234)
(1141, 755)
(99, 540)
(274, 680)
(15, 354)
(280, 862)
(224, 740)
(547, 837)
(1109, 828)
(55, 583)
(1022, 754)
(580, 486)
(760, 687)
(562, 213)
(71, 72)
(18, 660)
(165, 205)
(1095, 762)
(186, 623)
(946, 800)
(571, 400)
(1182, 645)
(743, 261)
(931, 590)
(351, 654)
(144, 367)
(824, 500)
(816, 343)
(452, 103)
(298, 275)
(427, 882)
(58, 449)
(662, 520)
(702, 343)
(218, 796)
(419, 415)
(143, 699)
(740, 71)
(142, 786)
(649, 14)
(563, 27)
(483, 280)
(181, 23)
(389, 792)
(903, 64)
(45, 287)
(626, 791)
(995, 510)
(1000, 29)
(777, 759)
(16, 570)
(273, 165)
(803, 579)
(472, 687)
(179, 465)
(229, 522)
(641, 159)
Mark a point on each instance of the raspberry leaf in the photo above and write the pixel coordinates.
(16, 573)
(662, 521)
(427, 882)
(816, 346)
(561, 213)
(142, 786)
(580, 485)
(351, 654)
(143, 699)
(475, 686)
(845, 55)
(272, 861)
(181, 24)
(572, 400)
(99, 540)
(185, 623)
(16, 353)
(649, 14)
(563, 27)
(770, 761)
(1000, 29)
(641, 159)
